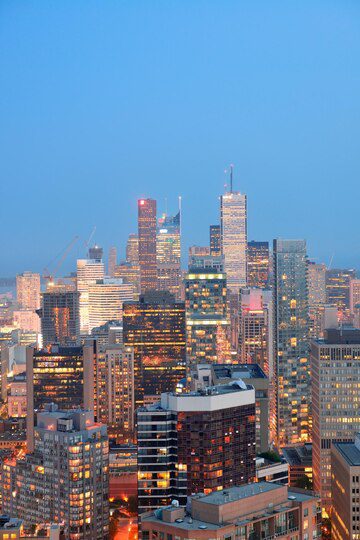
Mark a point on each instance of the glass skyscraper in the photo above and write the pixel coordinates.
(147, 244)
(291, 332)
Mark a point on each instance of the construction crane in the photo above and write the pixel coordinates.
(87, 244)
(50, 276)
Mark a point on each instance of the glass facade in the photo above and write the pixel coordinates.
(258, 264)
(147, 244)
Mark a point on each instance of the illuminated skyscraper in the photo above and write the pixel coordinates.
(215, 240)
(155, 327)
(147, 244)
(291, 330)
(106, 298)
(355, 301)
(258, 264)
(132, 250)
(234, 239)
(206, 311)
(28, 291)
(335, 376)
(59, 315)
(317, 297)
(338, 290)
(129, 274)
(168, 249)
(88, 272)
(112, 261)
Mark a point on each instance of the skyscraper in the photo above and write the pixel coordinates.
(28, 290)
(317, 297)
(206, 312)
(258, 264)
(132, 249)
(147, 244)
(335, 376)
(338, 290)
(207, 444)
(215, 240)
(96, 253)
(234, 238)
(88, 272)
(155, 327)
(106, 298)
(61, 375)
(168, 249)
(112, 261)
(65, 478)
(59, 315)
(291, 327)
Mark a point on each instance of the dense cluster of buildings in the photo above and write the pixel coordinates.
(225, 396)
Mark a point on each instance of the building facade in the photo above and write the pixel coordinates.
(147, 244)
(28, 291)
(106, 298)
(168, 253)
(88, 272)
(258, 264)
(60, 315)
(215, 240)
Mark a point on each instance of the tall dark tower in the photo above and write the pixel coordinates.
(147, 244)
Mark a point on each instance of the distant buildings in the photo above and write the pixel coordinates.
(206, 313)
(291, 327)
(335, 375)
(96, 253)
(155, 327)
(338, 290)
(112, 261)
(28, 291)
(147, 244)
(88, 272)
(345, 489)
(258, 510)
(105, 300)
(258, 264)
(64, 479)
(207, 444)
(215, 240)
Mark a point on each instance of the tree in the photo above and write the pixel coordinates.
(304, 482)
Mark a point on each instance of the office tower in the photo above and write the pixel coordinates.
(258, 264)
(59, 316)
(345, 488)
(147, 244)
(291, 329)
(88, 272)
(16, 397)
(335, 375)
(205, 375)
(28, 291)
(168, 253)
(155, 327)
(132, 250)
(317, 297)
(106, 298)
(129, 274)
(338, 290)
(259, 510)
(27, 320)
(234, 238)
(61, 375)
(65, 478)
(115, 387)
(206, 311)
(112, 261)
(207, 444)
(96, 253)
(215, 240)
(256, 328)
(213, 262)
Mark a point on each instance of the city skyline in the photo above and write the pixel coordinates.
(272, 89)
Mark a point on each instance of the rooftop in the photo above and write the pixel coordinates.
(350, 452)
(237, 493)
(239, 371)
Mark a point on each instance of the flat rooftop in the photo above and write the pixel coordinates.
(239, 371)
(238, 493)
(350, 452)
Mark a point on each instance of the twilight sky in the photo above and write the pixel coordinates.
(102, 102)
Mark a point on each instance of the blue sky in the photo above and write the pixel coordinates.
(102, 102)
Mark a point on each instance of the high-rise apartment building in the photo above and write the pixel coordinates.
(168, 253)
(338, 290)
(106, 298)
(215, 240)
(345, 489)
(207, 444)
(28, 291)
(147, 244)
(88, 272)
(61, 375)
(335, 376)
(291, 327)
(317, 297)
(206, 313)
(64, 479)
(115, 387)
(258, 262)
(112, 261)
(234, 239)
(155, 327)
(59, 314)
